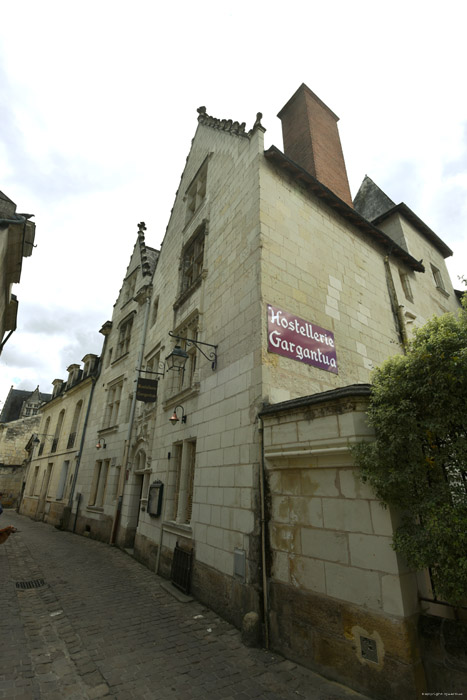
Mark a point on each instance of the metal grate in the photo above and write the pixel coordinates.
(26, 585)
(181, 569)
(369, 649)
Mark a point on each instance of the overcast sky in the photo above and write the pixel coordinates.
(98, 108)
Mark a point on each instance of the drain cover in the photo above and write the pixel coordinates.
(25, 585)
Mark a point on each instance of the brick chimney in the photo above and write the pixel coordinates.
(311, 139)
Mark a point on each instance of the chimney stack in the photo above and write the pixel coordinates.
(311, 139)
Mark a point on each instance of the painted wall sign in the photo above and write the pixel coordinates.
(300, 340)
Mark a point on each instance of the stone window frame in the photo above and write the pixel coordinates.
(185, 466)
(192, 263)
(438, 279)
(114, 399)
(99, 483)
(125, 329)
(406, 286)
(195, 194)
(185, 380)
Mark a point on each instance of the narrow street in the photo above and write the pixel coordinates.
(95, 623)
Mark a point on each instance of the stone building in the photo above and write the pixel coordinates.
(113, 447)
(55, 445)
(18, 419)
(17, 234)
(259, 321)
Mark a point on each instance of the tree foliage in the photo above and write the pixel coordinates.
(418, 462)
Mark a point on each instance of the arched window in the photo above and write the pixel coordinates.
(74, 425)
(58, 428)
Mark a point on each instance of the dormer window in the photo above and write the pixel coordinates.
(74, 372)
(57, 387)
(90, 362)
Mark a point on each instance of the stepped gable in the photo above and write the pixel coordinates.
(232, 127)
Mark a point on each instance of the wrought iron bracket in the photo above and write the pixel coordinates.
(211, 355)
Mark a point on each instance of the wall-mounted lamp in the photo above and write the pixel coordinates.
(174, 418)
(212, 354)
(101, 443)
(177, 359)
(36, 441)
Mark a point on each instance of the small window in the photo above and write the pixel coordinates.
(196, 192)
(155, 309)
(192, 261)
(113, 404)
(124, 337)
(405, 282)
(438, 279)
(188, 378)
(130, 288)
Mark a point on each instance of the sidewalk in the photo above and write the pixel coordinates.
(94, 623)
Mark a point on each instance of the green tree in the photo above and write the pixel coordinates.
(418, 462)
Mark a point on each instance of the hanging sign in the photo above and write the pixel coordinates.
(146, 390)
(300, 340)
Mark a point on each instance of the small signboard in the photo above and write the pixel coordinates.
(301, 340)
(146, 390)
(155, 498)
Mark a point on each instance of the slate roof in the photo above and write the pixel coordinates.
(14, 402)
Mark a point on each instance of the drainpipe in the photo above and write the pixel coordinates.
(263, 538)
(81, 445)
(396, 307)
(126, 449)
(161, 535)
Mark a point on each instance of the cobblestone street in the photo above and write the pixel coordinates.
(102, 625)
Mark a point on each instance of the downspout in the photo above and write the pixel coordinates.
(81, 445)
(263, 538)
(126, 449)
(158, 557)
(396, 307)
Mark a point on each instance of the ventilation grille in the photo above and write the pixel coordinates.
(26, 585)
(181, 569)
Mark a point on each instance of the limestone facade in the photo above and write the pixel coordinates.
(55, 446)
(300, 296)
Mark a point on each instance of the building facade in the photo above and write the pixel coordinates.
(278, 295)
(55, 447)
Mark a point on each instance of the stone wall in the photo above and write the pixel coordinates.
(342, 602)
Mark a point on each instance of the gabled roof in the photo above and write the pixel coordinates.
(351, 215)
(14, 403)
(374, 204)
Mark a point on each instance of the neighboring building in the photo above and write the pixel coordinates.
(16, 242)
(55, 447)
(107, 455)
(22, 404)
(18, 420)
(280, 296)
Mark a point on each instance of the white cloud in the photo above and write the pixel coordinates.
(98, 109)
